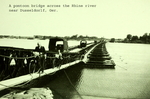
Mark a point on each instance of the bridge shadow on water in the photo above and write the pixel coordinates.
(63, 83)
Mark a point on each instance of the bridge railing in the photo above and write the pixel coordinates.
(16, 62)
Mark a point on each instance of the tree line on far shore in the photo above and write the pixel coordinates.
(42, 37)
(145, 38)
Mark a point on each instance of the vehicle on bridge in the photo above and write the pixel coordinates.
(83, 43)
(57, 43)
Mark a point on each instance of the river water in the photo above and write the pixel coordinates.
(129, 79)
(30, 44)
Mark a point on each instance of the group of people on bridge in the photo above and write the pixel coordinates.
(41, 56)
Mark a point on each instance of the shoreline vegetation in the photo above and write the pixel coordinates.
(40, 37)
(144, 39)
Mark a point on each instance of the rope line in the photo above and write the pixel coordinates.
(31, 57)
(122, 67)
(18, 85)
(72, 84)
(17, 57)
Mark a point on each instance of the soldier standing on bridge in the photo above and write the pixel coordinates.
(39, 48)
(40, 58)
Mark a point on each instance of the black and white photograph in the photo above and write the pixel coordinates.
(79, 49)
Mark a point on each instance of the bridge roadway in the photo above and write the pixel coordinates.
(79, 49)
(26, 78)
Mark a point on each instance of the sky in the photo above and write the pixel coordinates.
(109, 19)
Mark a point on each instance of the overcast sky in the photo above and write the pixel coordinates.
(110, 18)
